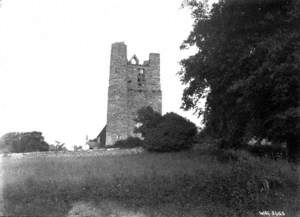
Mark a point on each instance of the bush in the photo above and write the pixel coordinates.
(272, 151)
(225, 155)
(172, 133)
(130, 142)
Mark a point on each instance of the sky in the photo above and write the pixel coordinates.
(55, 55)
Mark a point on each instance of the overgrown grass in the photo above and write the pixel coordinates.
(169, 184)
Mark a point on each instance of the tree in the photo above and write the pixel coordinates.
(146, 119)
(170, 132)
(77, 148)
(23, 142)
(59, 146)
(247, 65)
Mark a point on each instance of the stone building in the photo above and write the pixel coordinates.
(132, 85)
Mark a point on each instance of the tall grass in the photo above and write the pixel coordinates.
(186, 181)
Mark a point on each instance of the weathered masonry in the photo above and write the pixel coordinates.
(131, 86)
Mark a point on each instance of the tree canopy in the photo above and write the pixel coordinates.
(16, 142)
(169, 132)
(247, 65)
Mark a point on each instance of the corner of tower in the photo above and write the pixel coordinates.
(154, 56)
(154, 59)
(119, 53)
(119, 43)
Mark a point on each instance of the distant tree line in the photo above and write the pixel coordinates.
(16, 142)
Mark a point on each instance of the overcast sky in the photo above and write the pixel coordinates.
(54, 60)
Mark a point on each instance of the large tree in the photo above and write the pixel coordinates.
(247, 65)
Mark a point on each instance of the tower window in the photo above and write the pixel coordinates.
(141, 71)
(141, 77)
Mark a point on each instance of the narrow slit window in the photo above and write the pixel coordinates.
(141, 77)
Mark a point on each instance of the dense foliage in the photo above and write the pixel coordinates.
(169, 132)
(130, 142)
(23, 142)
(247, 65)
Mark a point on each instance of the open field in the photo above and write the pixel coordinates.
(144, 184)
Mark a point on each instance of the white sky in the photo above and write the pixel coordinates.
(54, 60)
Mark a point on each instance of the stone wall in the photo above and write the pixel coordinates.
(131, 87)
(117, 95)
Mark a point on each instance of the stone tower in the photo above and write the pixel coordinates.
(131, 86)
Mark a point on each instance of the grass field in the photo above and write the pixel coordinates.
(171, 184)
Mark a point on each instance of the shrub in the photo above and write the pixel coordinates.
(225, 155)
(172, 133)
(130, 142)
(272, 151)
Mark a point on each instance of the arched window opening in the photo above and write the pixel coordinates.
(134, 60)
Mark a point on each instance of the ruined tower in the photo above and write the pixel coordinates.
(131, 86)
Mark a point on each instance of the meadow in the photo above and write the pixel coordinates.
(190, 183)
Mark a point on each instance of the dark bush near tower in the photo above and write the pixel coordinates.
(274, 151)
(130, 142)
(170, 132)
(174, 133)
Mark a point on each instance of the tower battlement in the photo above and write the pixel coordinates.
(131, 86)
